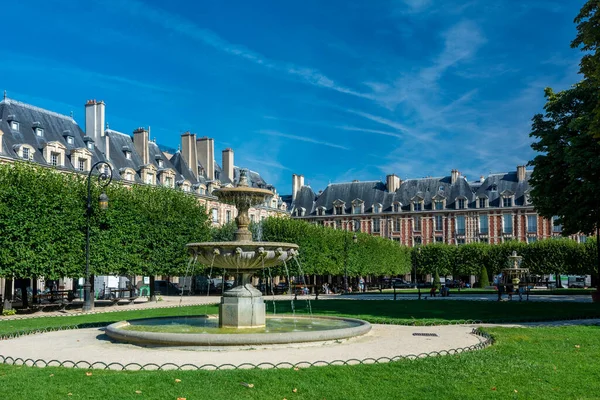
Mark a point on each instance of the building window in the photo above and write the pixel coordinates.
(25, 152)
(81, 164)
(160, 163)
(461, 204)
(215, 215)
(356, 225)
(460, 241)
(494, 188)
(582, 238)
(508, 224)
(339, 210)
(506, 202)
(90, 145)
(54, 157)
(439, 223)
(482, 202)
(356, 209)
(417, 240)
(252, 218)
(149, 179)
(397, 225)
(168, 181)
(128, 155)
(439, 239)
(228, 216)
(70, 139)
(417, 206)
(439, 205)
(531, 239)
(377, 208)
(396, 207)
(555, 227)
(483, 224)
(460, 225)
(417, 223)
(532, 223)
(14, 125)
(39, 132)
(484, 240)
(376, 225)
(129, 176)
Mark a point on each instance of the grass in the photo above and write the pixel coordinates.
(478, 291)
(426, 312)
(536, 363)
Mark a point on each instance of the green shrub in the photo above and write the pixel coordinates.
(484, 280)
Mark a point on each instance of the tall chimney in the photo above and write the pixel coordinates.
(188, 152)
(454, 174)
(205, 148)
(140, 142)
(521, 173)
(94, 122)
(106, 146)
(481, 178)
(227, 157)
(393, 183)
(297, 183)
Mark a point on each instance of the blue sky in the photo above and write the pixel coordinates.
(335, 90)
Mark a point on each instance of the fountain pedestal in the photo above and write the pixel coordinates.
(242, 307)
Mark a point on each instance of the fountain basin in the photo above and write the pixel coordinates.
(243, 255)
(204, 331)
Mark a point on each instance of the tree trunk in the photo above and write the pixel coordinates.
(152, 294)
(8, 291)
(34, 289)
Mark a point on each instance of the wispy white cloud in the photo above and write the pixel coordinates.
(267, 163)
(187, 28)
(301, 138)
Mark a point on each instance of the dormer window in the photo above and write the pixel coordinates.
(168, 181)
(339, 210)
(70, 139)
(25, 153)
(396, 207)
(441, 189)
(321, 211)
(417, 206)
(461, 204)
(129, 176)
(506, 202)
(338, 207)
(14, 125)
(39, 132)
(160, 163)
(439, 205)
(377, 208)
(494, 188)
(90, 145)
(482, 202)
(128, 155)
(54, 159)
(81, 164)
(149, 178)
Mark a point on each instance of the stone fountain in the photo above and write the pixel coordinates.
(242, 306)
(242, 319)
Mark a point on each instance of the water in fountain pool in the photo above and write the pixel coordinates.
(211, 325)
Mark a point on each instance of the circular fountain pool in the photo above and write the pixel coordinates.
(205, 331)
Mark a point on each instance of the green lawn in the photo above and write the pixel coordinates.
(535, 363)
(477, 291)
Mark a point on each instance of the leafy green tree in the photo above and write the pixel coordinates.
(566, 178)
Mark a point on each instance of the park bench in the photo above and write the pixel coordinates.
(51, 299)
(123, 295)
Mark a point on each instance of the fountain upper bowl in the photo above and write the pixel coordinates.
(243, 255)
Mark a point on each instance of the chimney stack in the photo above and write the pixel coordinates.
(205, 148)
(393, 183)
(481, 178)
(297, 183)
(521, 173)
(454, 174)
(140, 142)
(95, 114)
(188, 152)
(227, 163)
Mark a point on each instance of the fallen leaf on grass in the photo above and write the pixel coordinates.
(181, 398)
(296, 369)
(494, 388)
(88, 374)
(577, 346)
(248, 385)
(138, 391)
(516, 391)
(177, 380)
(295, 390)
(69, 394)
(51, 374)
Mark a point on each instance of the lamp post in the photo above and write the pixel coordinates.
(104, 178)
(415, 278)
(354, 239)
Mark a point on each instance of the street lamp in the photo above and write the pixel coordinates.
(104, 178)
(415, 277)
(354, 239)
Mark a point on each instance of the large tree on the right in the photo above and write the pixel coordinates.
(566, 177)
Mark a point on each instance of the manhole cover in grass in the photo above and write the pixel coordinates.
(424, 334)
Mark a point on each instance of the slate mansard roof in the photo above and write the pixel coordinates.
(427, 189)
(56, 128)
